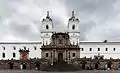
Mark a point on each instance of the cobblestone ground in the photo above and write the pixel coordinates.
(34, 71)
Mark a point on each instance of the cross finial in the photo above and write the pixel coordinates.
(47, 13)
(73, 15)
(77, 41)
(43, 41)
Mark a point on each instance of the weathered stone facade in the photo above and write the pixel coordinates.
(60, 49)
(60, 52)
(21, 64)
(87, 63)
(79, 63)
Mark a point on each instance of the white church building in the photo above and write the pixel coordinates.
(9, 50)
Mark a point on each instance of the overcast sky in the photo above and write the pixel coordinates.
(20, 19)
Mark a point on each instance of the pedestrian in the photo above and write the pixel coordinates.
(106, 67)
(21, 66)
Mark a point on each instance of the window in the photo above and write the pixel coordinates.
(82, 49)
(35, 47)
(14, 47)
(24, 47)
(106, 49)
(14, 55)
(98, 49)
(101, 57)
(51, 54)
(90, 49)
(113, 49)
(73, 27)
(3, 47)
(46, 54)
(3, 55)
(73, 54)
(47, 27)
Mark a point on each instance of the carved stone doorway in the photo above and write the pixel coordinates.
(96, 66)
(24, 66)
(83, 65)
(11, 65)
(60, 57)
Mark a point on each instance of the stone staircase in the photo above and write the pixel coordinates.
(61, 67)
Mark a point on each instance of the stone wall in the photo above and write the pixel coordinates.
(41, 64)
(95, 64)
(28, 64)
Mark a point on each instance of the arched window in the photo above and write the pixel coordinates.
(114, 49)
(90, 49)
(47, 27)
(98, 49)
(3, 55)
(14, 55)
(46, 54)
(35, 47)
(73, 55)
(14, 47)
(3, 47)
(73, 27)
(106, 49)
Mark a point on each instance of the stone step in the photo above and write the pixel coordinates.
(61, 67)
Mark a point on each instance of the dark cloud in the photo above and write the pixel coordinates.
(97, 17)
(86, 27)
(92, 14)
(24, 31)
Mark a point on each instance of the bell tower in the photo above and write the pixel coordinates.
(73, 29)
(46, 29)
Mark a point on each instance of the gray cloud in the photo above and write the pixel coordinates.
(99, 19)
(95, 14)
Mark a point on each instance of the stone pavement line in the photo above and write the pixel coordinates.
(35, 71)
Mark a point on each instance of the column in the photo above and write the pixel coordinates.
(78, 53)
(66, 56)
(69, 58)
(51, 57)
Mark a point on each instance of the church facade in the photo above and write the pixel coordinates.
(59, 45)
(60, 49)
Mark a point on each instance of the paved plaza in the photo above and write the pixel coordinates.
(35, 71)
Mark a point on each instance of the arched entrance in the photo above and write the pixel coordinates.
(96, 66)
(37, 65)
(24, 66)
(11, 65)
(60, 56)
(109, 64)
(83, 65)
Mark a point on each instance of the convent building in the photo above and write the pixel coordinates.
(57, 45)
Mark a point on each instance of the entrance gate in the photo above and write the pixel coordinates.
(11, 65)
(96, 66)
(60, 57)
